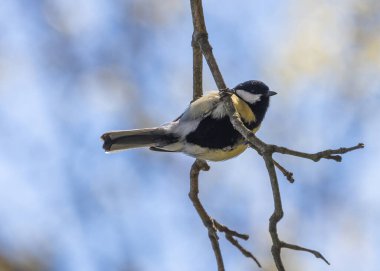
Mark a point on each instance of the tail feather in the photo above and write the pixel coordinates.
(128, 139)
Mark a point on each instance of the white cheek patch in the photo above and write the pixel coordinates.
(248, 97)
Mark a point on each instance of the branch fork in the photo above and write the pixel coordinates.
(212, 225)
(201, 46)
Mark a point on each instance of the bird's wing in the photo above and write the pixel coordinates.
(194, 114)
(201, 107)
(212, 104)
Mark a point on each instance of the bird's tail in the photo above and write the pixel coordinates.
(128, 139)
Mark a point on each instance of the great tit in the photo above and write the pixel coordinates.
(204, 130)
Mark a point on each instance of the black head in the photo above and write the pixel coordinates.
(253, 91)
(256, 94)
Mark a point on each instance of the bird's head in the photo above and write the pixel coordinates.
(253, 92)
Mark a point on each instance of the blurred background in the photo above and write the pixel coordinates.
(71, 70)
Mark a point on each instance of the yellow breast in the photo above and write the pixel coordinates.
(243, 109)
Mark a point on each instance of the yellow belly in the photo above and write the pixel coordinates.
(220, 155)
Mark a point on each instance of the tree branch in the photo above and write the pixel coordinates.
(278, 213)
(197, 70)
(326, 154)
(267, 151)
(200, 43)
(207, 221)
(211, 224)
(314, 252)
(200, 36)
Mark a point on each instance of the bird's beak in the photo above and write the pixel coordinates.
(271, 93)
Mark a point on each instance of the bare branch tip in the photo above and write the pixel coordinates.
(316, 253)
(285, 172)
(226, 230)
(320, 256)
(245, 252)
(290, 177)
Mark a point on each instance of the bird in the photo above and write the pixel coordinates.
(203, 130)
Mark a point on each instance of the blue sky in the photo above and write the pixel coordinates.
(71, 70)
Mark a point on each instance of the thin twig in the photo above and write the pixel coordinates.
(278, 213)
(228, 231)
(245, 252)
(197, 53)
(326, 154)
(197, 70)
(287, 174)
(200, 36)
(207, 221)
(262, 147)
(314, 252)
(230, 234)
(199, 26)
